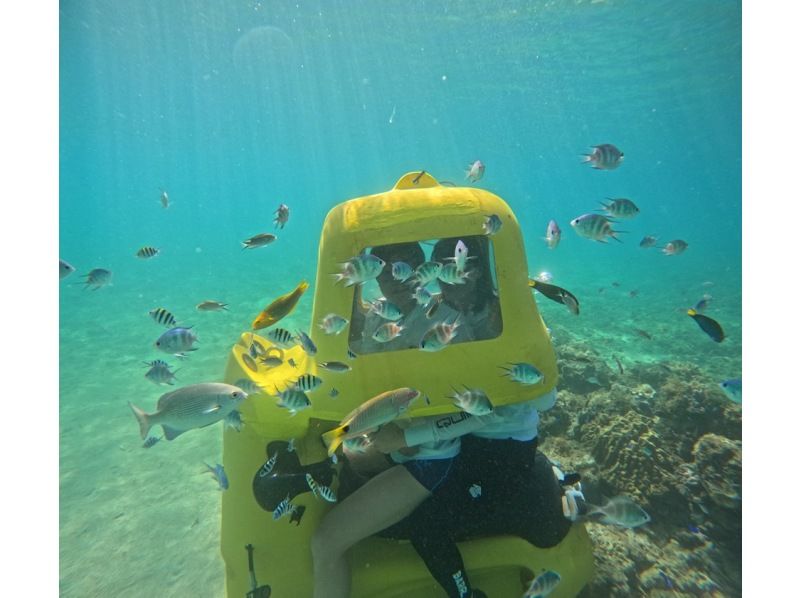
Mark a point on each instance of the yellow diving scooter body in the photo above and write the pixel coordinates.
(418, 208)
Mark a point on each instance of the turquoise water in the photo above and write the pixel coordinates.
(236, 107)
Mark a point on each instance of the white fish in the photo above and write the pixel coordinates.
(190, 407)
(64, 269)
(621, 511)
(439, 335)
(475, 171)
(552, 235)
(359, 269)
(333, 323)
(543, 585)
(524, 373)
(387, 332)
(473, 400)
(177, 341)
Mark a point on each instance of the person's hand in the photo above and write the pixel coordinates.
(389, 438)
(572, 493)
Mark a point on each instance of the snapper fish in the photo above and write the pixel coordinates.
(472, 400)
(259, 240)
(595, 227)
(604, 157)
(524, 373)
(475, 171)
(401, 271)
(371, 414)
(280, 308)
(177, 341)
(359, 269)
(191, 407)
(211, 305)
(543, 585)
(676, 247)
(281, 216)
(333, 323)
(64, 269)
(620, 208)
(552, 235)
(621, 511)
(97, 278)
(147, 252)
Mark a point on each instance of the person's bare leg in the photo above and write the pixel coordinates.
(384, 500)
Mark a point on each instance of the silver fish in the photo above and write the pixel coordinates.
(359, 269)
(675, 247)
(267, 467)
(163, 316)
(334, 366)
(164, 200)
(620, 208)
(218, 471)
(595, 227)
(333, 324)
(307, 382)
(473, 400)
(177, 341)
(281, 216)
(621, 511)
(387, 332)
(281, 337)
(552, 235)
(210, 305)
(327, 493)
(604, 157)
(191, 407)
(543, 585)
(307, 343)
(259, 240)
(159, 373)
(64, 269)
(524, 373)
(401, 271)
(439, 336)
(97, 278)
(282, 508)
(422, 295)
(475, 171)
(386, 310)
(492, 224)
(427, 272)
(147, 252)
(294, 400)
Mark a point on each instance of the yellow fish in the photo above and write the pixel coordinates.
(280, 308)
(370, 415)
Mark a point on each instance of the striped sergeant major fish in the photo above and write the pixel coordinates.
(147, 252)
(604, 157)
(163, 316)
(282, 509)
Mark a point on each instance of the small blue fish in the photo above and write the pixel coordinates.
(733, 388)
(219, 474)
(694, 529)
(333, 393)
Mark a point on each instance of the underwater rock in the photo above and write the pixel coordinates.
(718, 463)
(581, 369)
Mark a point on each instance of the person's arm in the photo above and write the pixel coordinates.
(392, 437)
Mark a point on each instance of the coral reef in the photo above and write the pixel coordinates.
(668, 437)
